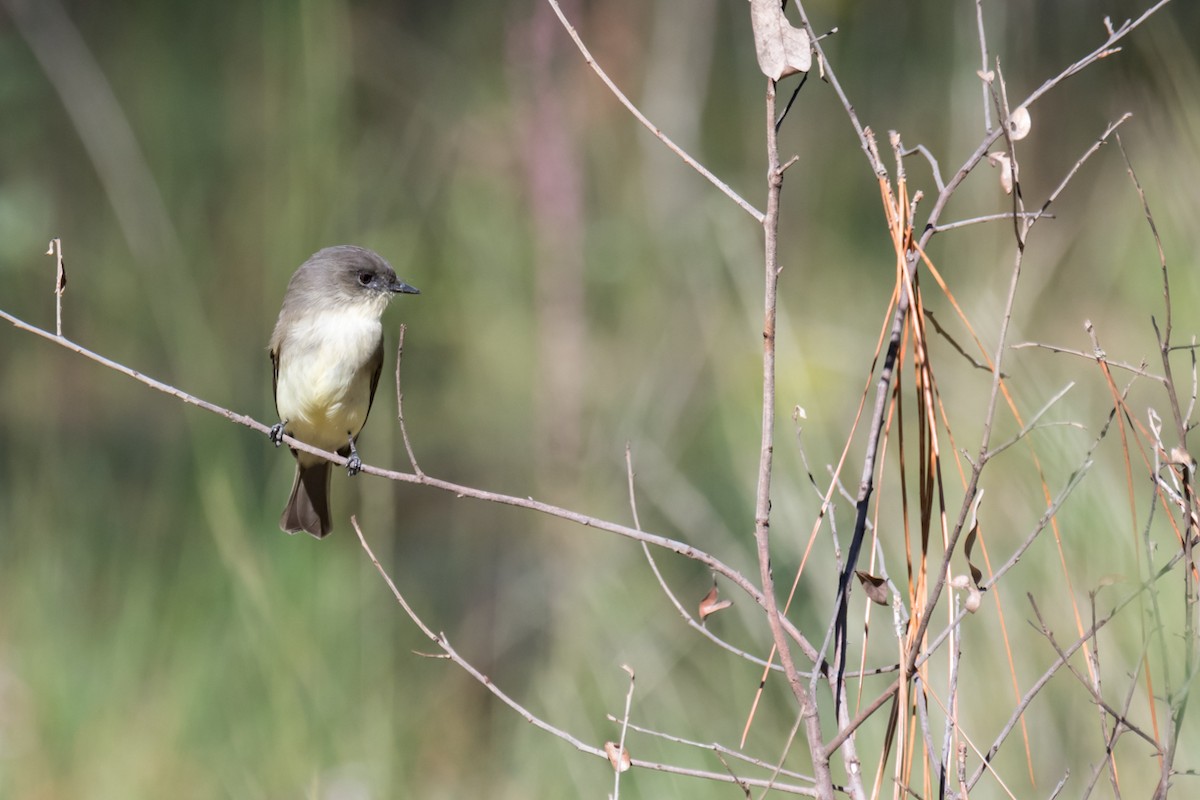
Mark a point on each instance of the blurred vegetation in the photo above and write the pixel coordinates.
(581, 289)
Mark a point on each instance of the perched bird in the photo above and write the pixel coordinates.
(327, 353)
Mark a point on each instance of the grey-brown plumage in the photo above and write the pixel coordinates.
(327, 354)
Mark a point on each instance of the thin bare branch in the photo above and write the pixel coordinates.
(1139, 370)
(662, 582)
(1121, 717)
(60, 282)
(442, 642)
(933, 165)
(762, 506)
(718, 748)
(412, 459)
(621, 751)
(682, 548)
(983, 68)
(650, 126)
(1006, 216)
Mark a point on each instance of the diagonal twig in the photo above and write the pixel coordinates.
(650, 126)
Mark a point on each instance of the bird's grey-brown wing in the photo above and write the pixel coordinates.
(275, 376)
(376, 367)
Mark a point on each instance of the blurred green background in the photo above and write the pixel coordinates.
(581, 288)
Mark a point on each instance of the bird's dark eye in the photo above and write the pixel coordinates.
(364, 279)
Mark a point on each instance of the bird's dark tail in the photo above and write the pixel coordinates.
(308, 507)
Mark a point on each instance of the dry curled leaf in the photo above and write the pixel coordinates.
(974, 594)
(976, 573)
(710, 605)
(782, 48)
(1181, 456)
(60, 278)
(619, 756)
(973, 601)
(876, 588)
(1008, 170)
(1019, 124)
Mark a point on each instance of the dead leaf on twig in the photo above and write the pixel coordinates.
(1181, 456)
(974, 593)
(60, 279)
(782, 48)
(1019, 124)
(710, 605)
(973, 601)
(1008, 170)
(876, 588)
(619, 756)
(969, 544)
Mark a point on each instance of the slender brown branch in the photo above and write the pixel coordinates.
(241, 419)
(1178, 703)
(621, 751)
(1005, 217)
(662, 582)
(997, 361)
(1067, 652)
(60, 282)
(675, 546)
(650, 126)
(762, 505)
(864, 713)
(1120, 717)
(717, 748)
(983, 61)
(828, 73)
(412, 459)
(1137, 369)
(443, 643)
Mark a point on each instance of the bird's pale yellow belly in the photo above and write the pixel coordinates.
(323, 389)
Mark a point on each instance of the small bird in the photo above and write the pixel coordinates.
(327, 353)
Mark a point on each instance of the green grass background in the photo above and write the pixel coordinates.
(159, 637)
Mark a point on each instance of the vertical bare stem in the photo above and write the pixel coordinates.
(983, 52)
(762, 507)
(60, 282)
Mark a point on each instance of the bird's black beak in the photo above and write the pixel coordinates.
(400, 287)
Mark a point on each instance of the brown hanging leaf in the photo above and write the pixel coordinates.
(710, 605)
(976, 573)
(1009, 173)
(60, 278)
(876, 588)
(782, 48)
(619, 756)
(969, 544)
